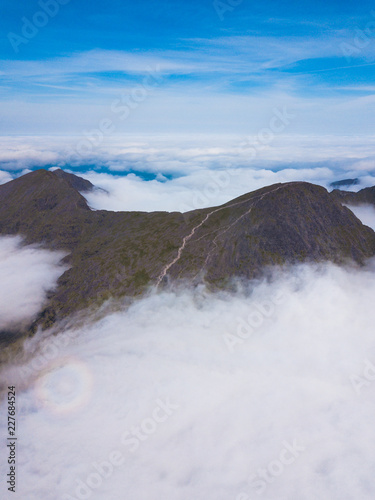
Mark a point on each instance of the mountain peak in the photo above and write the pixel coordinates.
(74, 181)
(39, 205)
(46, 190)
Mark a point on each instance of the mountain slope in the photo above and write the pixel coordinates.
(284, 223)
(363, 196)
(117, 254)
(82, 185)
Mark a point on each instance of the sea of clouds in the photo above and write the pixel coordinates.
(266, 392)
(178, 173)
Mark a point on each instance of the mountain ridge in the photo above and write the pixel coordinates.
(120, 254)
(362, 197)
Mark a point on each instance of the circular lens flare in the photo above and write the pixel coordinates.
(65, 386)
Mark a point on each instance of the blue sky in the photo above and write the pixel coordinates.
(212, 66)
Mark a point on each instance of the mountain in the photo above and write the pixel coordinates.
(118, 254)
(345, 183)
(364, 196)
(75, 182)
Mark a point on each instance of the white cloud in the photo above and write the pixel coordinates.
(215, 170)
(202, 188)
(27, 273)
(193, 171)
(5, 177)
(304, 374)
(365, 213)
(227, 84)
(232, 54)
(205, 110)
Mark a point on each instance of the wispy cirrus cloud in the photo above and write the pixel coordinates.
(223, 84)
(257, 57)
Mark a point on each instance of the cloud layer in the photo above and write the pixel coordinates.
(267, 392)
(27, 273)
(183, 173)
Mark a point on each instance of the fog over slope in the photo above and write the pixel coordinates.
(27, 273)
(365, 213)
(267, 392)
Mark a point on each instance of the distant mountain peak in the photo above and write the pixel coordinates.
(345, 183)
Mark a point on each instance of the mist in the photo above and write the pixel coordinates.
(266, 392)
(27, 274)
(365, 213)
